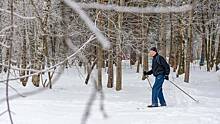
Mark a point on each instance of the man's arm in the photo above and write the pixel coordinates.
(148, 72)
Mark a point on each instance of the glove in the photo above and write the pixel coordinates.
(146, 73)
(166, 77)
(144, 77)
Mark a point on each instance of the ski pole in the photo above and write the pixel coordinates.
(149, 82)
(183, 91)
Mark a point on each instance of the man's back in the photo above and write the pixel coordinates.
(160, 66)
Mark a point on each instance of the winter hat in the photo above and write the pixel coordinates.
(153, 49)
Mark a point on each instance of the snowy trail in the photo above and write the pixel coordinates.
(66, 102)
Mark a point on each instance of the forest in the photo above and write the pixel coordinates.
(38, 35)
(39, 39)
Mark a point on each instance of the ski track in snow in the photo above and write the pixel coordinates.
(66, 102)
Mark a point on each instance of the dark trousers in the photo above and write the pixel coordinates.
(157, 91)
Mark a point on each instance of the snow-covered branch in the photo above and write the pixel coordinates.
(102, 39)
(56, 65)
(15, 14)
(4, 45)
(7, 28)
(20, 69)
(148, 9)
(90, 103)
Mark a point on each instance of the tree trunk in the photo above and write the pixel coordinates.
(181, 50)
(99, 65)
(207, 50)
(7, 55)
(144, 34)
(162, 45)
(139, 62)
(203, 53)
(36, 60)
(213, 39)
(100, 50)
(176, 51)
(119, 52)
(45, 40)
(1, 6)
(0, 57)
(24, 51)
(63, 23)
(217, 62)
(110, 56)
(10, 44)
(42, 57)
(133, 58)
(189, 49)
(212, 58)
(53, 42)
(110, 70)
(32, 46)
(202, 57)
(172, 47)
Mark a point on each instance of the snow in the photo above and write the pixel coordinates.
(66, 102)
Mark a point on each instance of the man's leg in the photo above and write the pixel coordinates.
(160, 92)
(155, 94)
(161, 97)
(156, 88)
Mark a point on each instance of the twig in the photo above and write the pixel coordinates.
(89, 73)
(102, 39)
(92, 98)
(29, 93)
(102, 105)
(20, 16)
(56, 65)
(3, 112)
(20, 69)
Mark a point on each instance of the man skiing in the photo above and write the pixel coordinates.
(160, 69)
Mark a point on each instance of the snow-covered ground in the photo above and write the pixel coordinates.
(66, 102)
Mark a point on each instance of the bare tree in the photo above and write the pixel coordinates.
(189, 48)
(162, 44)
(218, 55)
(1, 38)
(11, 4)
(181, 52)
(119, 51)
(110, 53)
(24, 50)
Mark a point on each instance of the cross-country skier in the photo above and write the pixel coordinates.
(160, 69)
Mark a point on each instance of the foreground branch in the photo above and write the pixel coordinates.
(149, 9)
(56, 65)
(92, 98)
